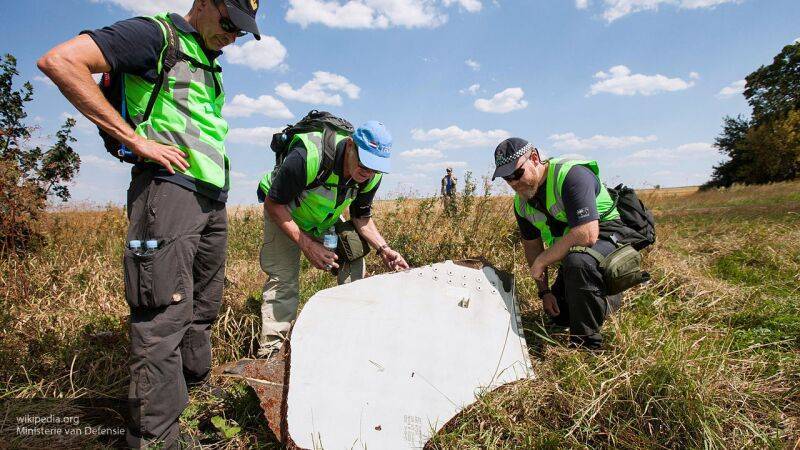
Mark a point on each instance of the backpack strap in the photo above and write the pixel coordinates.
(328, 157)
(168, 61)
(589, 251)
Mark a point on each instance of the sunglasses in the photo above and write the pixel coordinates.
(227, 24)
(516, 175)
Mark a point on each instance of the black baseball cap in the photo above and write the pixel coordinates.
(243, 15)
(508, 153)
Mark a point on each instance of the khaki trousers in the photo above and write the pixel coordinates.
(280, 260)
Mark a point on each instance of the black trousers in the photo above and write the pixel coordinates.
(578, 289)
(174, 294)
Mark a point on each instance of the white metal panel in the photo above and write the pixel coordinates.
(384, 362)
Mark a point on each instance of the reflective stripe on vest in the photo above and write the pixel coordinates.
(315, 210)
(554, 202)
(187, 112)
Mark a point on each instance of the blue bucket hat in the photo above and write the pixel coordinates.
(374, 145)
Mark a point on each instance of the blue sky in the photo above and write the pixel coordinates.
(639, 85)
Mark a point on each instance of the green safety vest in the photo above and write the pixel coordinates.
(187, 113)
(315, 210)
(556, 174)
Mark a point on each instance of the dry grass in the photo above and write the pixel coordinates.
(707, 355)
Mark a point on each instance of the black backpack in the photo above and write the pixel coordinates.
(313, 121)
(640, 225)
(113, 88)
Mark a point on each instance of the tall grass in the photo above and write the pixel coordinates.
(705, 356)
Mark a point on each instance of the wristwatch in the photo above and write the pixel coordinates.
(380, 249)
(544, 292)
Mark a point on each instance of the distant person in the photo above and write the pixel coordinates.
(298, 213)
(561, 204)
(175, 261)
(448, 189)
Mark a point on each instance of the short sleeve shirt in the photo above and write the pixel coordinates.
(579, 192)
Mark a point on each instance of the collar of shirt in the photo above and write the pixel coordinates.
(186, 27)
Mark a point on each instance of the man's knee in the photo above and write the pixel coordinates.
(578, 260)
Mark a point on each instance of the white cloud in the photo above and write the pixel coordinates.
(267, 105)
(107, 164)
(150, 7)
(735, 88)
(572, 142)
(503, 102)
(44, 80)
(440, 165)
(472, 64)
(378, 14)
(469, 5)
(421, 153)
(82, 124)
(472, 90)
(255, 136)
(620, 81)
(581, 4)
(266, 54)
(322, 89)
(616, 9)
(694, 75)
(655, 156)
(797, 40)
(573, 156)
(455, 137)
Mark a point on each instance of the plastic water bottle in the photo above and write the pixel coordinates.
(135, 246)
(151, 246)
(330, 240)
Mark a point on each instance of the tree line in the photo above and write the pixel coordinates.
(764, 148)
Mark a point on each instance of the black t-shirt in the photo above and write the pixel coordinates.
(133, 46)
(290, 181)
(579, 192)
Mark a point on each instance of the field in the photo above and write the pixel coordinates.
(705, 356)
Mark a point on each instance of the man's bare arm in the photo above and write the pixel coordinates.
(70, 65)
(534, 248)
(316, 253)
(583, 235)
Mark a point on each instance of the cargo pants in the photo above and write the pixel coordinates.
(174, 294)
(583, 305)
(280, 260)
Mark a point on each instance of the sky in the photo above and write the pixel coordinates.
(641, 86)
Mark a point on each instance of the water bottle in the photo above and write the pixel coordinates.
(151, 246)
(135, 246)
(330, 240)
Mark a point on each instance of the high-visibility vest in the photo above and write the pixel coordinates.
(556, 174)
(316, 210)
(187, 113)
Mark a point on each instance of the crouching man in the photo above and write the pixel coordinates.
(560, 204)
(299, 209)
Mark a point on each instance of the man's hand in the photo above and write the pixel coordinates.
(393, 259)
(165, 155)
(319, 256)
(537, 270)
(550, 305)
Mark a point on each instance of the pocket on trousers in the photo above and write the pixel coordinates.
(163, 277)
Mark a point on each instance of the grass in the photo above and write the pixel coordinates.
(705, 356)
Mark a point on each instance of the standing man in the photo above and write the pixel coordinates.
(298, 212)
(178, 189)
(560, 204)
(448, 187)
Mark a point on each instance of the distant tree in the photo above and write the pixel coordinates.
(731, 143)
(765, 148)
(28, 174)
(774, 90)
